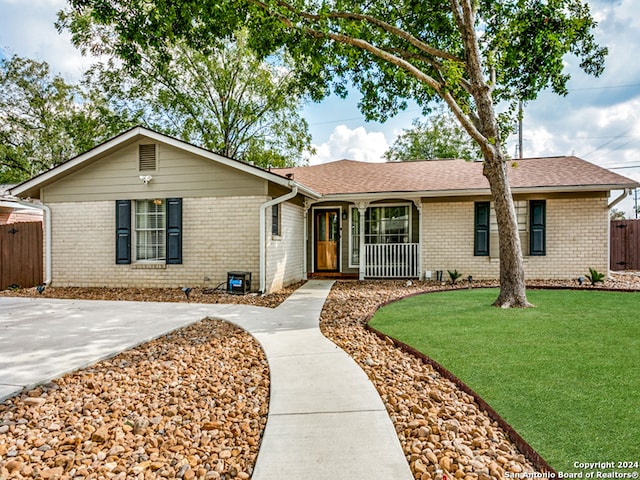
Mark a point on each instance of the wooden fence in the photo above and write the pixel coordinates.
(21, 255)
(625, 244)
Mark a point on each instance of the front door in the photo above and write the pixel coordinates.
(327, 233)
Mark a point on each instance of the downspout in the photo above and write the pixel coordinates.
(47, 235)
(625, 193)
(263, 233)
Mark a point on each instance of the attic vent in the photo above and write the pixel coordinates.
(147, 157)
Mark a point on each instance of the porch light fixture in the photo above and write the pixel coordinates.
(146, 178)
(344, 215)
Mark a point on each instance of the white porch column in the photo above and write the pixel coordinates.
(418, 203)
(307, 206)
(362, 210)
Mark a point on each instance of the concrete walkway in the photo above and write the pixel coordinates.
(326, 420)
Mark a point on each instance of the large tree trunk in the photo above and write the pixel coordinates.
(487, 133)
(512, 286)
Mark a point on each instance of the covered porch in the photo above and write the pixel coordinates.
(364, 238)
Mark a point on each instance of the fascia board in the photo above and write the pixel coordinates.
(471, 192)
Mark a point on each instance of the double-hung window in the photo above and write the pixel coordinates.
(149, 231)
(531, 217)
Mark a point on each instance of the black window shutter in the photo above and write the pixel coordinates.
(123, 232)
(275, 220)
(537, 230)
(481, 229)
(174, 230)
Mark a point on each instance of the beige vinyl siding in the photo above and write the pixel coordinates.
(178, 174)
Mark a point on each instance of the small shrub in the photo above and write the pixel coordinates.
(595, 277)
(454, 276)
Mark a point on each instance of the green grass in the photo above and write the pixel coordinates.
(565, 375)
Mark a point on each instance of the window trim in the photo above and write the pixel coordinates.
(134, 231)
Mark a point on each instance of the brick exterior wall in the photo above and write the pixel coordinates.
(571, 246)
(285, 255)
(218, 235)
(221, 235)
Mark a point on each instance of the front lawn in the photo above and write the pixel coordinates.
(565, 375)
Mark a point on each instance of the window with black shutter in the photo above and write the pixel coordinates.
(275, 220)
(537, 227)
(481, 229)
(154, 228)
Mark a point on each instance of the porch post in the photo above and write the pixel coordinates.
(305, 242)
(362, 209)
(418, 203)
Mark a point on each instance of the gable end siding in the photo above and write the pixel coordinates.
(178, 174)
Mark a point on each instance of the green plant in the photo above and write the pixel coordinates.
(595, 277)
(454, 276)
(537, 367)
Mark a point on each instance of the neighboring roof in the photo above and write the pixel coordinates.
(5, 187)
(454, 177)
(32, 187)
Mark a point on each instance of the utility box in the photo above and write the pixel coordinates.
(238, 283)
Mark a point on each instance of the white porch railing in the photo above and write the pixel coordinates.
(391, 260)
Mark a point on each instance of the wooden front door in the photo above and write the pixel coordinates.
(327, 233)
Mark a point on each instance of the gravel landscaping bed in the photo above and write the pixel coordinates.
(193, 404)
(197, 295)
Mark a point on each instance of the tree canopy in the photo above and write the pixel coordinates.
(469, 54)
(226, 100)
(45, 121)
(437, 136)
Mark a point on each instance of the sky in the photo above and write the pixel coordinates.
(599, 120)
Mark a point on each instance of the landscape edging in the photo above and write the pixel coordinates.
(523, 446)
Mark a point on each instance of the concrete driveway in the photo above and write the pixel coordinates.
(326, 419)
(41, 339)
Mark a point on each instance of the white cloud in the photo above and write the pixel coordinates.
(357, 144)
(27, 30)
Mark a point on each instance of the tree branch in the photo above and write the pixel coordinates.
(398, 32)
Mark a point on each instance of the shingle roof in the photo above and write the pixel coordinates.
(351, 177)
